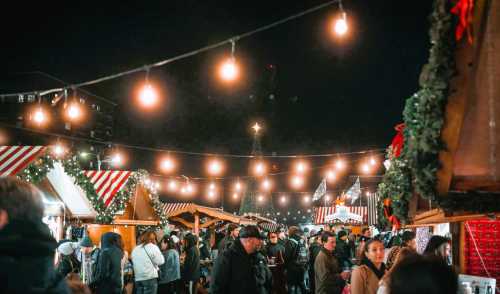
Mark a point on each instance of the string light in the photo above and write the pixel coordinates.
(297, 181)
(340, 26)
(300, 167)
(39, 116)
(211, 194)
(235, 195)
(365, 168)
(212, 186)
(260, 198)
(214, 167)
(237, 186)
(266, 184)
(307, 199)
(283, 199)
(373, 161)
(117, 159)
(59, 150)
(259, 168)
(256, 127)
(331, 175)
(172, 185)
(229, 69)
(339, 164)
(167, 164)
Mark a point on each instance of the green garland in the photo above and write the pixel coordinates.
(416, 168)
(37, 171)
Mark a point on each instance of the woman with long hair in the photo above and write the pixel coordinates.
(440, 247)
(404, 253)
(169, 271)
(146, 259)
(190, 273)
(365, 278)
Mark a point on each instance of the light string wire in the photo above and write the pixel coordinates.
(374, 151)
(178, 57)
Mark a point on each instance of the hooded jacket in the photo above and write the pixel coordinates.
(327, 273)
(27, 259)
(108, 274)
(191, 268)
(236, 271)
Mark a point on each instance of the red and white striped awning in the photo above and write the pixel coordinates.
(168, 208)
(107, 183)
(13, 159)
(321, 212)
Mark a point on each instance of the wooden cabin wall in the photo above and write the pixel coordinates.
(127, 233)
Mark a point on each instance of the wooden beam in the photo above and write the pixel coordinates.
(210, 222)
(182, 221)
(461, 261)
(196, 223)
(134, 222)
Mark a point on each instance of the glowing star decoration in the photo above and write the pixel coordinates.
(148, 96)
(340, 26)
(297, 182)
(229, 70)
(256, 128)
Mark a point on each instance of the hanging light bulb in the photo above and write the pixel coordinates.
(229, 69)
(212, 186)
(117, 159)
(148, 97)
(373, 161)
(266, 184)
(300, 167)
(189, 188)
(211, 194)
(340, 26)
(235, 195)
(172, 185)
(297, 181)
(260, 198)
(237, 186)
(74, 112)
(283, 199)
(214, 167)
(59, 150)
(307, 199)
(259, 168)
(365, 168)
(339, 164)
(39, 116)
(167, 164)
(331, 175)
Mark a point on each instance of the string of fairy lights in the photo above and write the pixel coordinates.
(229, 71)
(148, 97)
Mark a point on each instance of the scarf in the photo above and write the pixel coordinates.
(378, 272)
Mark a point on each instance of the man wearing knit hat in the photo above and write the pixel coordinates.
(85, 256)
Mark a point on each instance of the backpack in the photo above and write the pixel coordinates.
(94, 261)
(301, 256)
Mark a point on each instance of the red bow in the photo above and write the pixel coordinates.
(398, 141)
(463, 8)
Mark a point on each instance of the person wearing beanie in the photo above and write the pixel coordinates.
(85, 257)
(342, 250)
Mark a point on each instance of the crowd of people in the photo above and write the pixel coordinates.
(244, 260)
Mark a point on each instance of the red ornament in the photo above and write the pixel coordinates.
(464, 10)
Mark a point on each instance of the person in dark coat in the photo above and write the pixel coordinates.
(26, 246)
(295, 271)
(190, 271)
(233, 231)
(108, 274)
(328, 276)
(276, 251)
(342, 250)
(314, 250)
(241, 268)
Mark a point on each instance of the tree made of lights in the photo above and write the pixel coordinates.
(250, 202)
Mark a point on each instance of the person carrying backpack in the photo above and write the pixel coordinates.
(296, 260)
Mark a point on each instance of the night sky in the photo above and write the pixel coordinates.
(313, 92)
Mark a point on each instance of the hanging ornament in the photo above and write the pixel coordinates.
(464, 10)
(398, 141)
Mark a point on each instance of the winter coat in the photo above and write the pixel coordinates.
(68, 264)
(191, 268)
(27, 259)
(327, 273)
(170, 270)
(225, 243)
(343, 253)
(146, 259)
(364, 281)
(108, 275)
(236, 271)
(294, 271)
(276, 250)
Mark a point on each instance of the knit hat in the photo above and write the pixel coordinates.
(86, 242)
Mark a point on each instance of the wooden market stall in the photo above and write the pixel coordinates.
(263, 222)
(353, 216)
(468, 181)
(195, 217)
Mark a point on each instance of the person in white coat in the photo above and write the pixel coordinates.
(146, 259)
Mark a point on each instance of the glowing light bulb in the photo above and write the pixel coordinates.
(74, 112)
(235, 195)
(260, 198)
(172, 185)
(259, 169)
(365, 168)
(148, 96)
(341, 25)
(117, 159)
(330, 175)
(297, 182)
(211, 194)
(373, 161)
(229, 70)
(183, 190)
(237, 186)
(339, 164)
(283, 199)
(300, 167)
(266, 184)
(167, 165)
(157, 185)
(58, 150)
(212, 186)
(256, 128)
(39, 116)
(189, 188)
(214, 167)
(307, 199)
